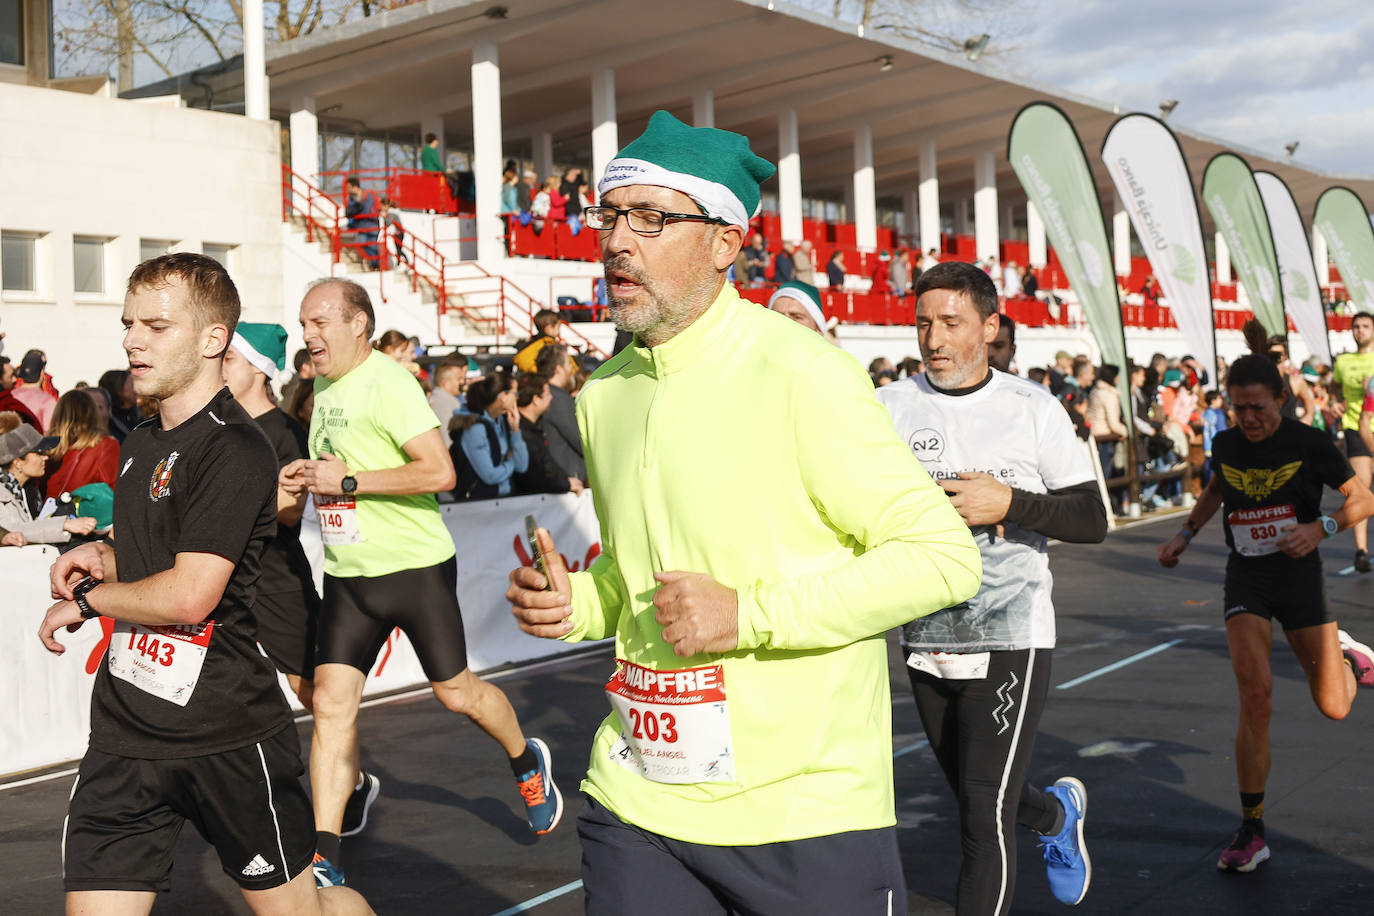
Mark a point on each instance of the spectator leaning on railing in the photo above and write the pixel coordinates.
(487, 447)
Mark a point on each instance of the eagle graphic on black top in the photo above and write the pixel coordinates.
(1259, 483)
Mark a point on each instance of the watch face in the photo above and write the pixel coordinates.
(349, 484)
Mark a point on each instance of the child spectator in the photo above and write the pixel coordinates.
(393, 230)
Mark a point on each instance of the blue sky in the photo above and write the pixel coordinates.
(1259, 73)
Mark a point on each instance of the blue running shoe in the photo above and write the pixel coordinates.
(326, 875)
(1066, 858)
(359, 804)
(543, 803)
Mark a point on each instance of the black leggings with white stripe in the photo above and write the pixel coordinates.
(982, 732)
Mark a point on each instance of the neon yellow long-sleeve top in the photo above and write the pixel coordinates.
(750, 449)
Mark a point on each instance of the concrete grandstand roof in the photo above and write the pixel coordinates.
(758, 57)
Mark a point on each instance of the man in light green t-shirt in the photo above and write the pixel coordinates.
(376, 461)
(1348, 377)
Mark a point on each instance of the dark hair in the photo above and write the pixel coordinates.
(484, 392)
(210, 292)
(446, 368)
(302, 357)
(355, 300)
(1036, 375)
(1108, 373)
(1208, 395)
(1359, 315)
(353, 182)
(392, 338)
(1255, 369)
(529, 387)
(548, 359)
(1006, 321)
(299, 395)
(431, 137)
(961, 277)
(112, 381)
(545, 319)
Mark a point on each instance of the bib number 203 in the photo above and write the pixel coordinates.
(159, 650)
(653, 726)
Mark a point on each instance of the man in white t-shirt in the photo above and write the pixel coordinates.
(1005, 451)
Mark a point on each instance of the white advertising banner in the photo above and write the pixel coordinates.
(1152, 178)
(1298, 274)
(47, 720)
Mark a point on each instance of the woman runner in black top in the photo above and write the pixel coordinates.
(1270, 472)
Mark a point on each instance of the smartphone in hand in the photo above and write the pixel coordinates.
(537, 552)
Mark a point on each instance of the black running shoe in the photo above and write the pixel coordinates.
(1362, 561)
(359, 803)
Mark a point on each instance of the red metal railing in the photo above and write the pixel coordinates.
(411, 189)
(550, 238)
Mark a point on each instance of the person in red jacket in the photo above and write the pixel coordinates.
(86, 450)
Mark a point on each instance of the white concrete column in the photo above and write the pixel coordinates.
(434, 124)
(911, 210)
(704, 109)
(605, 131)
(1223, 260)
(928, 191)
(542, 143)
(865, 192)
(985, 229)
(1319, 257)
(1035, 236)
(305, 141)
(961, 217)
(789, 176)
(255, 101)
(486, 149)
(1008, 220)
(1121, 236)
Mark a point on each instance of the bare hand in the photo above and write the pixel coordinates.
(574, 485)
(292, 477)
(978, 498)
(513, 418)
(539, 611)
(13, 539)
(1301, 540)
(1171, 550)
(325, 476)
(62, 614)
(75, 565)
(697, 613)
(83, 524)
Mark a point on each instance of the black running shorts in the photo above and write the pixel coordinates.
(1354, 444)
(287, 624)
(1293, 592)
(359, 611)
(126, 813)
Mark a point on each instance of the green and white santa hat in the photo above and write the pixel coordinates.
(263, 345)
(806, 294)
(716, 168)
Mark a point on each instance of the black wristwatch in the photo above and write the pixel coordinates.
(79, 592)
(349, 485)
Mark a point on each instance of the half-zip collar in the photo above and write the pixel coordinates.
(695, 340)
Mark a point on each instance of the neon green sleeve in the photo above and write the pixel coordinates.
(596, 601)
(917, 555)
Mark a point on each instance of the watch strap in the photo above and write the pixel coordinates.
(79, 592)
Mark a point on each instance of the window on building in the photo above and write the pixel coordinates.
(88, 264)
(18, 257)
(12, 32)
(153, 248)
(221, 253)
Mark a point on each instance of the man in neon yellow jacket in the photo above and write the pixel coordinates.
(762, 526)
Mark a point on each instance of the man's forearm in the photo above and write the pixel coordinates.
(158, 600)
(1074, 514)
(415, 477)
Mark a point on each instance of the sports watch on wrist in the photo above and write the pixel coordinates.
(1329, 526)
(349, 485)
(79, 592)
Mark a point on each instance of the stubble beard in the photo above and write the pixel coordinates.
(655, 318)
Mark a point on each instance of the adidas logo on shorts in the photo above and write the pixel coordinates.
(258, 867)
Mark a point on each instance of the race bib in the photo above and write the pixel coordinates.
(338, 520)
(674, 725)
(951, 666)
(164, 661)
(1256, 532)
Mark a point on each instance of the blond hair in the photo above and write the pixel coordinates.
(76, 423)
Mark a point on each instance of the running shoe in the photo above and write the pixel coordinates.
(1361, 658)
(1361, 561)
(543, 802)
(1247, 849)
(1066, 858)
(326, 874)
(359, 803)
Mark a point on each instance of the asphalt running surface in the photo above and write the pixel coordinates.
(1143, 711)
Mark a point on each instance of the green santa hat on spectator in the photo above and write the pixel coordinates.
(263, 345)
(807, 295)
(716, 168)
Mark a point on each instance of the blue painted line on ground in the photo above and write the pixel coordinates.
(1117, 665)
(542, 898)
(1347, 571)
(907, 750)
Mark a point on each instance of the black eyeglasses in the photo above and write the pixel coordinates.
(641, 220)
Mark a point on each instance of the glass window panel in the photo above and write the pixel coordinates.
(17, 253)
(88, 264)
(220, 253)
(12, 32)
(152, 248)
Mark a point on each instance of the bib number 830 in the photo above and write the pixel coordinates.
(653, 726)
(152, 648)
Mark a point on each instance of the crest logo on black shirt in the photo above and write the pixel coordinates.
(161, 484)
(1259, 483)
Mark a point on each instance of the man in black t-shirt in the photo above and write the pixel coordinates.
(287, 609)
(543, 475)
(1270, 472)
(187, 721)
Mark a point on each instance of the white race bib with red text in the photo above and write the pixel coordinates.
(338, 520)
(1256, 532)
(951, 666)
(164, 661)
(674, 725)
